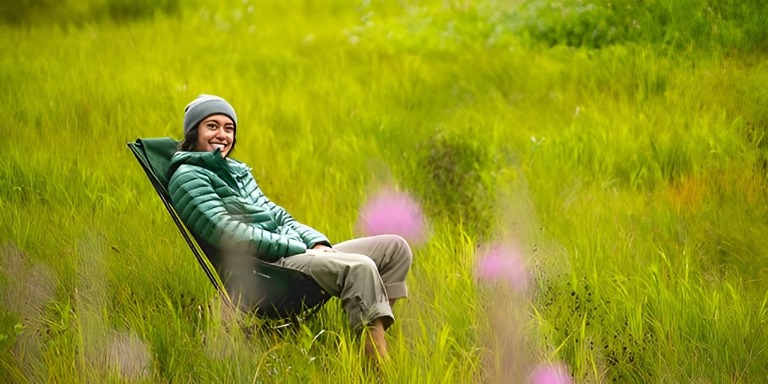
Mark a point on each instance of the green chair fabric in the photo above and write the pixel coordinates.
(285, 293)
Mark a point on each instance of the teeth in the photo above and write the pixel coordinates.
(219, 146)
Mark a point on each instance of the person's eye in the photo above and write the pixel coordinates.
(211, 126)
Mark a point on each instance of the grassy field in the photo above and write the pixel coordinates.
(620, 150)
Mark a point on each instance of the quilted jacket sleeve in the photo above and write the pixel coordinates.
(307, 233)
(204, 212)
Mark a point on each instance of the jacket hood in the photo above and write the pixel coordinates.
(212, 161)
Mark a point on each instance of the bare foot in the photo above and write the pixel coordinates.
(375, 343)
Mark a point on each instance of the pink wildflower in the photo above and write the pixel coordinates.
(392, 212)
(499, 263)
(551, 373)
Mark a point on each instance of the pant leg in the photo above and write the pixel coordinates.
(352, 277)
(393, 258)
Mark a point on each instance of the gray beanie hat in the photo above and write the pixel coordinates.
(204, 106)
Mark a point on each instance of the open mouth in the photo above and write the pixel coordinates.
(218, 146)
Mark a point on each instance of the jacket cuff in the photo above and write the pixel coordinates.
(321, 242)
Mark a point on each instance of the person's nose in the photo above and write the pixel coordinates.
(221, 133)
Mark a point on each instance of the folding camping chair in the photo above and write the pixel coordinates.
(283, 293)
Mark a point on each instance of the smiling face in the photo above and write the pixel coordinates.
(215, 131)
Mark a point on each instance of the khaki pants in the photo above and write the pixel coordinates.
(365, 273)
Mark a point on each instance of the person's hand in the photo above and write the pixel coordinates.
(324, 248)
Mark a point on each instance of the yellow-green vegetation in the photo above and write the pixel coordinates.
(622, 147)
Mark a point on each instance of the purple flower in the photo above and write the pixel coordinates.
(392, 212)
(551, 373)
(504, 264)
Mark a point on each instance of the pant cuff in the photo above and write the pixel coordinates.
(396, 290)
(378, 310)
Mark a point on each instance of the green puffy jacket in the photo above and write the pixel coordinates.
(219, 200)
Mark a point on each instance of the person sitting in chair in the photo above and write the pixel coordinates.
(219, 201)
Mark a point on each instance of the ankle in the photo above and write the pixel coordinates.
(375, 341)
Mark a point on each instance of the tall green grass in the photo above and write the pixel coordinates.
(631, 171)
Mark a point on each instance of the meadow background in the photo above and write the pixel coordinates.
(618, 148)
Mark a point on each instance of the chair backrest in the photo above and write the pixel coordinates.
(159, 152)
(154, 155)
(282, 292)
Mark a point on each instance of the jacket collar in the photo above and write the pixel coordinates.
(225, 168)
